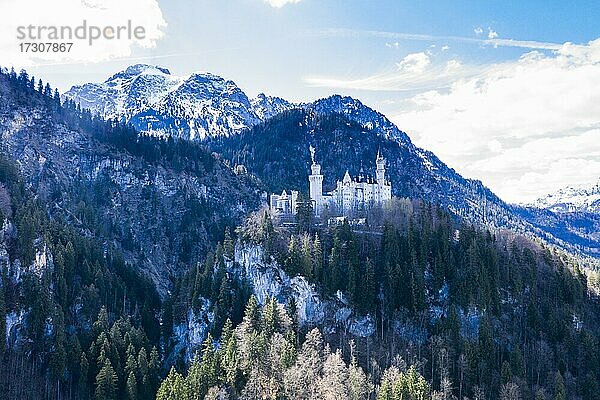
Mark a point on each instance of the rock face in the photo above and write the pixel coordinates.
(197, 107)
(269, 280)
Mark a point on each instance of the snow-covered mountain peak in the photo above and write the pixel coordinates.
(194, 107)
(137, 69)
(572, 199)
(269, 106)
(355, 110)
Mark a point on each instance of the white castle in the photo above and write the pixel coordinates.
(351, 193)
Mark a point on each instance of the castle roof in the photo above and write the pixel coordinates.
(347, 177)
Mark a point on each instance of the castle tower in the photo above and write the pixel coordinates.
(380, 161)
(316, 183)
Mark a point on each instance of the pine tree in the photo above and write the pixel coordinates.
(47, 90)
(270, 317)
(317, 260)
(293, 262)
(560, 392)
(228, 247)
(84, 367)
(304, 213)
(252, 314)
(224, 302)
(334, 381)
(355, 278)
(334, 272)
(307, 257)
(369, 285)
(358, 383)
(210, 364)
(195, 382)
(56, 97)
(173, 387)
(132, 393)
(153, 369)
(131, 362)
(142, 372)
(101, 324)
(58, 358)
(106, 382)
(229, 362)
(301, 380)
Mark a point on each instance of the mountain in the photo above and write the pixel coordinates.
(196, 107)
(572, 214)
(162, 203)
(571, 199)
(277, 153)
(271, 136)
(366, 117)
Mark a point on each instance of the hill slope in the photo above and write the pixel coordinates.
(164, 203)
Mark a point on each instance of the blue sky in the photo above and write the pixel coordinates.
(472, 81)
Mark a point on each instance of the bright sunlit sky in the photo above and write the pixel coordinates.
(507, 92)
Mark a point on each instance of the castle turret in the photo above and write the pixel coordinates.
(316, 183)
(380, 161)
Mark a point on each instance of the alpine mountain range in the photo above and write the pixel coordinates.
(207, 108)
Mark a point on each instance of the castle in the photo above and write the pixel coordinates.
(351, 193)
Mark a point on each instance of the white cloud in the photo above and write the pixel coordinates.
(496, 42)
(393, 45)
(71, 13)
(281, 3)
(478, 31)
(492, 34)
(415, 72)
(415, 62)
(525, 127)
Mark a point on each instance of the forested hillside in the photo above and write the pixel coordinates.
(96, 220)
(459, 312)
(74, 310)
(163, 203)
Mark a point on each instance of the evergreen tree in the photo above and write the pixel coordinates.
(173, 387)
(307, 257)
(209, 367)
(293, 262)
(228, 246)
(195, 383)
(84, 367)
(229, 362)
(304, 213)
(560, 392)
(252, 314)
(132, 386)
(58, 358)
(317, 260)
(106, 382)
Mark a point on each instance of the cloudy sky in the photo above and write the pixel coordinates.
(505, 92)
